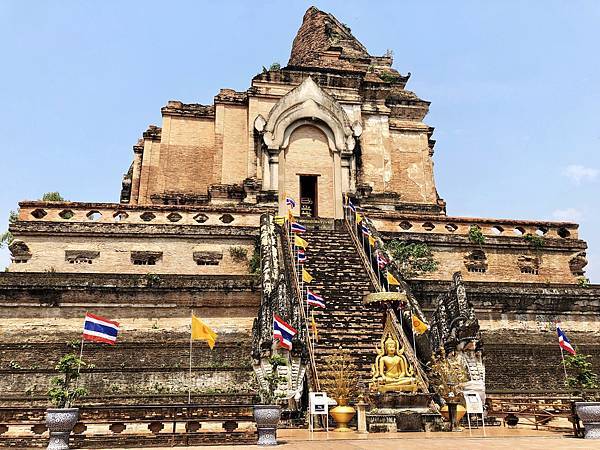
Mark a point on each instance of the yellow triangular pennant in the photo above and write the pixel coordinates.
(419, 326)
(306, 277)
(299, 242)
(391, 279)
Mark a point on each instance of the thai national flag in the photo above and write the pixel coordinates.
(289, 201)
(564, 343)
(364, 229)
(283, 332)
(381, 261)
(351, 205)
(297, 228)
(301, 255)
(313, 299)
(99, 329)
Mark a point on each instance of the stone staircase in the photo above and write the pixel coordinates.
(340, 278)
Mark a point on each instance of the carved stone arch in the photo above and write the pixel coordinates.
(307, 102)
(321, 126)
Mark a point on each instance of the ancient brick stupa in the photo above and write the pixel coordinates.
(335, 123)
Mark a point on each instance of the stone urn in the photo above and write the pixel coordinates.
(60, 422)
(342, 414)
(589, 413)
(267, 418)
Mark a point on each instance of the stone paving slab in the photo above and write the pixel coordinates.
(495, 439)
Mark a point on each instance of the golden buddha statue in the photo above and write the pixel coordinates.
(391, 371)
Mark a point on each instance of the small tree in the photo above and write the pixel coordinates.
(412, 259)
(269, 395)
(52, 197)
(62, 392)
(476, 235)
(7, 237)
(582, 376)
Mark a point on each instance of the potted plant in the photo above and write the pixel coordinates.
(61, 420)
(583, 379)
(340, 382)
(268, 413)
(448, 373)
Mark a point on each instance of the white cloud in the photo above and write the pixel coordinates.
(579, 173)
(567, 215)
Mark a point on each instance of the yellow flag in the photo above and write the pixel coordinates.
(279, 220)
(372, 241)
(419, 326)
(290, 216)
(313, 326)
(359, 218)
(391, 279)
(306, 277)
(299, 242)
(201, 331)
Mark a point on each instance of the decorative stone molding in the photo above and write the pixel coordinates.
(476, 261)
(81, 256)
(577, 263)
(207, 258)
(19, 251)
(529, 264)
(146, 258)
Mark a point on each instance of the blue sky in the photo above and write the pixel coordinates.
(514, 88)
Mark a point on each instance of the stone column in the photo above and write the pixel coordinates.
(138, 151)
(361, 408)
(338, 208)
(278, 179)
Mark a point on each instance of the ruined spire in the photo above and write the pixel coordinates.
(323, 41)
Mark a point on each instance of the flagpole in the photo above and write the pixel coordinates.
(412, 326)
(79, 362)
(190, 374)
(562, 355)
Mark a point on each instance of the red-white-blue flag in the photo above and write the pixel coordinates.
(313, 299)
(351, 206)
(564, 343)
(364, 229)
(99, 329)
(301, 255)
(381, 261)
(297, 228)
(283, 332)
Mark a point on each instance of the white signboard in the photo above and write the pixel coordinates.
(318, 404)
(473, 401)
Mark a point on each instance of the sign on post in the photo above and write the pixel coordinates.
(318, 404)
(474, 406)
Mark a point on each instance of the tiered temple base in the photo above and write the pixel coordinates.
(395, 411)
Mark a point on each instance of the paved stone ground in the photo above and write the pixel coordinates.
(495, 439)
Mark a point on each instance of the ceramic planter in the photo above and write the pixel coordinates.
(266, 418)
(60, 422)
(589, 413)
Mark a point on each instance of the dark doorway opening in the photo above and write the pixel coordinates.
(308, 196)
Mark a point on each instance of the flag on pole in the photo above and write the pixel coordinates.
(201, 331)
(297, 228)
(299, 242)
(365, 229)
(283, 332)
(419, 326)
(313, 326)
(391, 279)
(306, 277)
(564, 342)
(351, 206)
(313, 299)
(301, 256)
(371, 241)
(358, 218)
(99, 329)
(289, 216)
(279, 220)
(289, 201)
(381, 261)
